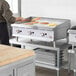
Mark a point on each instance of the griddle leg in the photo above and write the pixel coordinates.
(58, 72)
(74, 63)
(74, 72)
(58, 62)
(11, 44)
(23, 46)
(54, 44)
(69, 63)
(74, 69)
(17, 39)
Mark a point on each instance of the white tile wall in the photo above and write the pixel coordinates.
(50, 8)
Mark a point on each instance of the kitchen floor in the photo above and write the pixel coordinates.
(48, 72)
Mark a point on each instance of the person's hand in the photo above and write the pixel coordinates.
(19, 19)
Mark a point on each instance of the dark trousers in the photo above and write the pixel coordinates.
(4, 36)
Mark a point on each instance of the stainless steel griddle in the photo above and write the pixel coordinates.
(43, 32)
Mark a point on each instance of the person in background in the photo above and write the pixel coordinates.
(6, 16)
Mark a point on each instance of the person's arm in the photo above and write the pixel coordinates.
(7, 14)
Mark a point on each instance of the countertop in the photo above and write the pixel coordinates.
(9, 54)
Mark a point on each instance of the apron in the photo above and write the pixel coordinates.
(4, 36)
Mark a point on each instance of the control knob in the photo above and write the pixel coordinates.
(18, 31)
(43, 34)
(30, 33)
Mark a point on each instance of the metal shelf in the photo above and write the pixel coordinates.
(61, 45)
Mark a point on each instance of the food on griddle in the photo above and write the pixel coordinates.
(44, 23)
(34, 19)
(34, 22)
(29, 23)
(52, 24)
(25, 20)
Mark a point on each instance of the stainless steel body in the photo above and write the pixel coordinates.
(72, 36)
(41, 31)
(72, 53)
